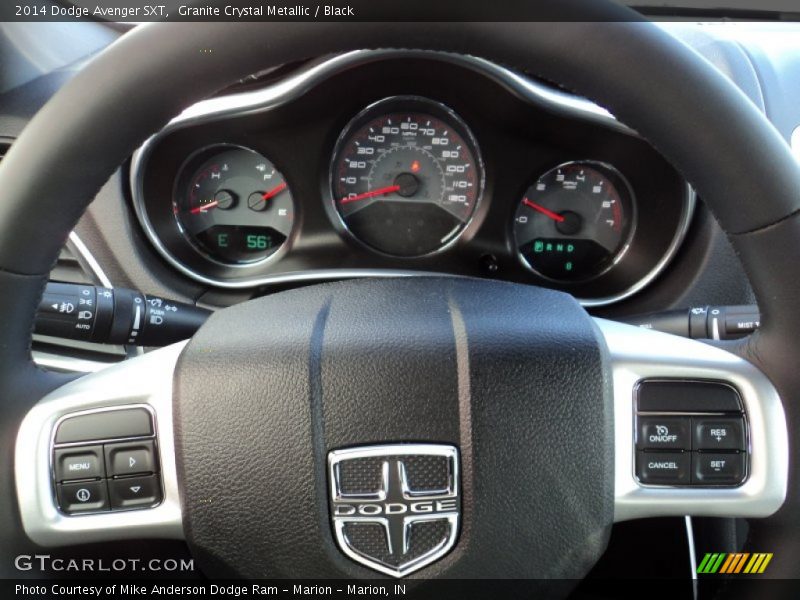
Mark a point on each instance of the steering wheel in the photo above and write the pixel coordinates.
(290, 426)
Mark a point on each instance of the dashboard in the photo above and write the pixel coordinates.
(403, 163)
(668, 252)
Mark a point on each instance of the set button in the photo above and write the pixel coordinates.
(713, 468)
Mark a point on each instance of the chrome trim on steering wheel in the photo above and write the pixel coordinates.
(144, 380)
(638, 354)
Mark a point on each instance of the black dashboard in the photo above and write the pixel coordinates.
(662, 248)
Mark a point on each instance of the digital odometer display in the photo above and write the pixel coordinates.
(406, 177)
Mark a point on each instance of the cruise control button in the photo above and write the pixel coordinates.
(85, 462)
(130, 458)
(82, 497)
(665, 468)
(669, 433)
(716, 468)
(134, 492)
(718, 433)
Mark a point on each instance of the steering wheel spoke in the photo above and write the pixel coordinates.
(755, 487)
(99, 500)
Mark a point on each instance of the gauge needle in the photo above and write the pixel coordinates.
(204, 207)
(379, 192)
(274, 191)
(546, 212)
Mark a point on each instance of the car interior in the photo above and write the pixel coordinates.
(475, 309)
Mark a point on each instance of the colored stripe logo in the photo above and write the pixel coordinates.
(733, 563)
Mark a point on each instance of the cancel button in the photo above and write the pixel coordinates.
(663, 468)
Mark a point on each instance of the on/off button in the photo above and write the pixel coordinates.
(664, 433)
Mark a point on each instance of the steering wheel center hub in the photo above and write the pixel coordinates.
(403, 424)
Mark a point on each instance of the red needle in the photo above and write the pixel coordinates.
(546, 212)
(204, 207)
(378, 192)
(274, 191)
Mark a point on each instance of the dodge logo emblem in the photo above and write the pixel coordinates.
(395, 508)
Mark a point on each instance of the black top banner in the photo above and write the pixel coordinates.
(133, 11)
(138, 11)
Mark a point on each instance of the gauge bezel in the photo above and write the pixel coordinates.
(605, 168)
(188, 237)
(416, 104)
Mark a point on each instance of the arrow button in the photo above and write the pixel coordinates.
(131, 458)
(134, 492)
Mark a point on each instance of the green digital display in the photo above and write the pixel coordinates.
(240, 243)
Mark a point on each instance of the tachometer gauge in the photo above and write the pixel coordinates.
(406, 176)
(233, 205)
(575, 222)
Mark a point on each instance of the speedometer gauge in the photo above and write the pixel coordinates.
(406, 176)
(575, 222)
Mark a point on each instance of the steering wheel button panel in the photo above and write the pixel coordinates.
(90, 496)
(718, 468)
(130, 459)
(107, 463)
(84, 462)
(664, 467)
(719, 433)
(696, 432)
(667, 433)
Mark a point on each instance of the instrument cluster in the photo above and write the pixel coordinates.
(452, 165)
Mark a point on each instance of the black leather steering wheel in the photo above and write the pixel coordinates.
(356, 365)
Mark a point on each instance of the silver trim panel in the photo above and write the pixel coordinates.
(638, 354)
(68, 364)
(282, 92)
(90, 260)
(795, 143)
(145, 380)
